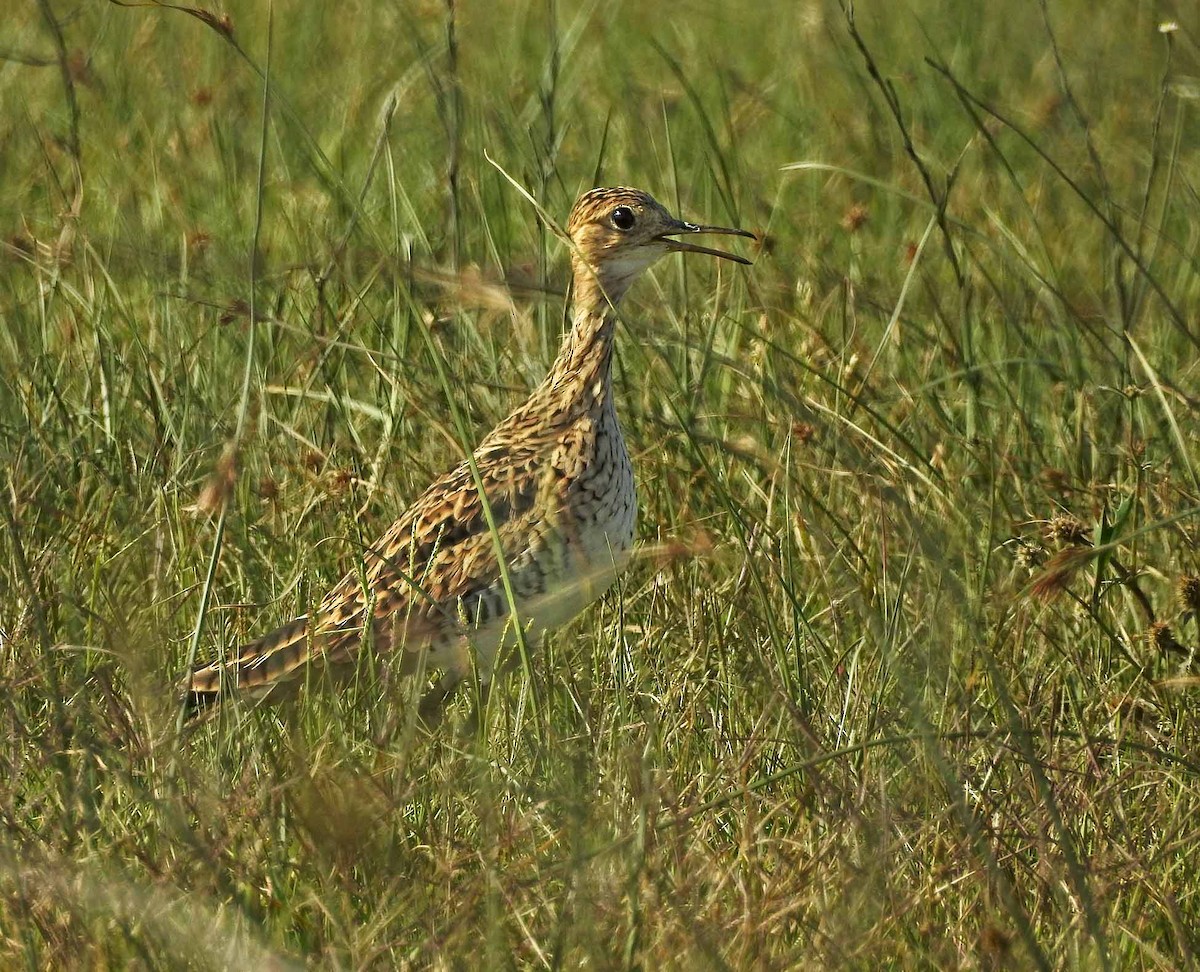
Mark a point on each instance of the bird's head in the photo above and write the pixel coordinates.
(618, 233)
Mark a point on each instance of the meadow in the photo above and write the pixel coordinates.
(903, 674)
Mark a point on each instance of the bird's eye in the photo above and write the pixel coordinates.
(622, 218)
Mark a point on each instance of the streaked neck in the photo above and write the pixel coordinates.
(582, 371)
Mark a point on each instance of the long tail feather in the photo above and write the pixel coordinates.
(264, 668)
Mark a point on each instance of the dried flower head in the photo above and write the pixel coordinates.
(340, 481)
(1188, 591)
(1029, 554)
(219, 488)
(1161, 639)
(802, 432)
(855, 217)
(1067, 531)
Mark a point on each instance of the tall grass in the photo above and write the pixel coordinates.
(904, 674)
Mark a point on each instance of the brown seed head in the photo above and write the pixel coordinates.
(854, 218)
(1162, 640)
(1066, 530)
(1059, 572)
(219, 488)
(1187, 590)
(1029, 554)
(803, 433)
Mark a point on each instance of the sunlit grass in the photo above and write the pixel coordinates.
(904, 673)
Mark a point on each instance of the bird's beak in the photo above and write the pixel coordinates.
(678, 246)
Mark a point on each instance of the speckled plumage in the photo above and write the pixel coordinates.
(557, 480)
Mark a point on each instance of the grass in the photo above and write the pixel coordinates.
(904, 676)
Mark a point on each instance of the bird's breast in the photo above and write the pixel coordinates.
(581, 537)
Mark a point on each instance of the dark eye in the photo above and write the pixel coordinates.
(623, 218)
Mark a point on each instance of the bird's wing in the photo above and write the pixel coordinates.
(442, 550)
(415, 580)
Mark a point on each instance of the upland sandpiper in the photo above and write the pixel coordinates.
(550, 490)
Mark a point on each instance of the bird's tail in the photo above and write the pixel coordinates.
(269, 667)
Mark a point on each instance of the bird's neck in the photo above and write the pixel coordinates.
(580, 380)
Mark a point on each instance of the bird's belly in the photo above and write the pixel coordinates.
(594, 550)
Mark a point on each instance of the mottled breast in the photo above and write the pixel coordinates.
(578, 541)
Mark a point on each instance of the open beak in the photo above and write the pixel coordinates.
(679, 246)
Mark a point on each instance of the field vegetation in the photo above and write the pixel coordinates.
(904, 673)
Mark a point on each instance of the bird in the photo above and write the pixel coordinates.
(512, 542)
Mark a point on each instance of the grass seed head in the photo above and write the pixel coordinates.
(219, 488)
(1187, 590)
(1162, 640)
(803, 433)
(1029, 554)
(1066, 531)
(1059, 572)
(855, 217)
